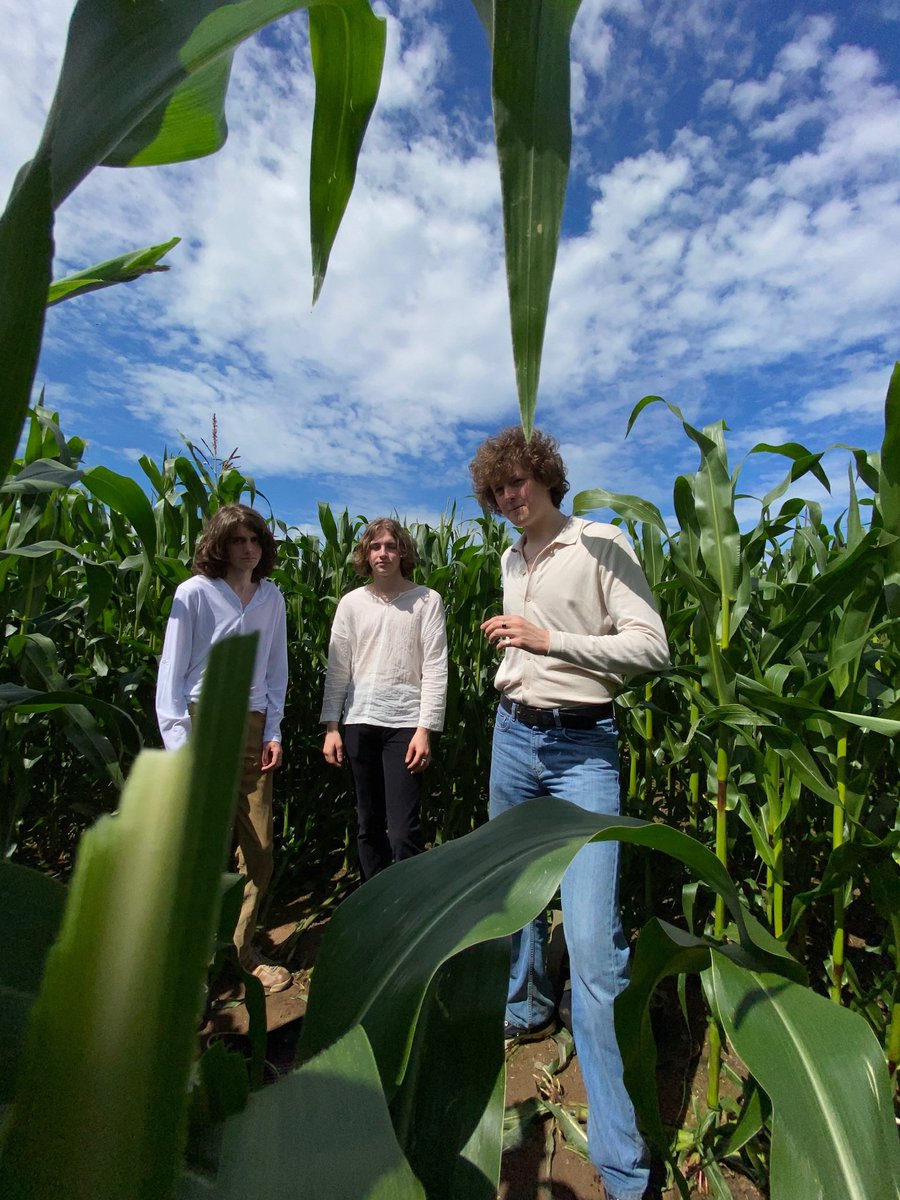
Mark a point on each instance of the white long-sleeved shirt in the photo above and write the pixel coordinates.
(387, 661)
(588, 589)
(204, 611)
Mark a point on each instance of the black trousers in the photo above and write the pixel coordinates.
(387, 796)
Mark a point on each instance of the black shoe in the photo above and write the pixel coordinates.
(514, 1036)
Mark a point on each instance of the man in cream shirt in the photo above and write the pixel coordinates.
(387, 681)
(578, 618)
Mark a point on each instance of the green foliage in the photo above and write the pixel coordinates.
(530, 87)
(88, 570)
(116, 1016)
(123, 269)
(145, 84)
(779, 710)
(372, 1095)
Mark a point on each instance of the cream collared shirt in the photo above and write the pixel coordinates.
(588, 589)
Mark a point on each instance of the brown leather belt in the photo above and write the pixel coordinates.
(579, 716)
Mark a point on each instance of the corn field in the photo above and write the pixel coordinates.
(89, 565)
(768, 749)
(772, 739)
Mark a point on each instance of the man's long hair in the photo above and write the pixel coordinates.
(211, 555)
(400, 536)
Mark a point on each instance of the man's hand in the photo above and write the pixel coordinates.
(418, 753)
(333, 748)
(271, 756)
(506, 632)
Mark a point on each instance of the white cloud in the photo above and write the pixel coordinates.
(755, 234)
(747, 98)
(808, 50)
(858, 398)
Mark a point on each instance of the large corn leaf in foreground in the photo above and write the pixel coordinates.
(530, 88)
(385, 943)
(323, 1133)
(326, 1133)
(453, 1141)
(820, 1065)
(114, 1025)
(833, 1131)
(141, 84)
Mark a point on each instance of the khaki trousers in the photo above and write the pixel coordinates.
(253, 835)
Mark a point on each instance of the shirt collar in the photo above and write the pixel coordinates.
(566, 536)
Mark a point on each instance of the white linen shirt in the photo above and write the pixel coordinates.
(588, 589)
(387, 661)
(204, 611)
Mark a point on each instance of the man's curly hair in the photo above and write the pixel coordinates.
(398, 533)
(211, 555)
(498, 458)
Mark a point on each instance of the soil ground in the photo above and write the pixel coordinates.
(542, 1166)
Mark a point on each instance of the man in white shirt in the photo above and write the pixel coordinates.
(387, 679)
(230, 594)
(578, 618)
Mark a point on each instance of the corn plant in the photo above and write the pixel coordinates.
(147, 85)
(780, 769)
(781, 707)
(374, 1109)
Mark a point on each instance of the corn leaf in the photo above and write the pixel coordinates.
(80, 726)
(530, 86)
(26, 256)
(14, 698)
(189, 123)
(713, 500)
(123, 269)
(44, 475)
(124, 977)
(889, 490)
(661, 950)
(382, 947)
(833, 1127)
(322, 1133)
(148, 67)
(37, 902)
(803, 460)
(452, 1136)
(142, 84)
(720, 535)
(347, 45)
(632, 508)
(125, 496)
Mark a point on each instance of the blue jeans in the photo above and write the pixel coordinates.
(581, 766)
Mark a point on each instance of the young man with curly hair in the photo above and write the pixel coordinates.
(578, 618)
(229, 593)
(387, 680)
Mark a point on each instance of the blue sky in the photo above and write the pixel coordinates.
(730, 242)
